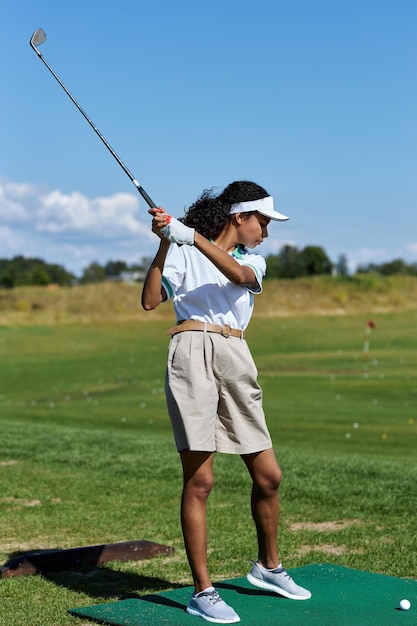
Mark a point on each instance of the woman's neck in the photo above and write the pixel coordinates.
(227, 239)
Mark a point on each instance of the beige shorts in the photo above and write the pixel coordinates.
(213, 397)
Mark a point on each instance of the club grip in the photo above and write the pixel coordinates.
(141, 190)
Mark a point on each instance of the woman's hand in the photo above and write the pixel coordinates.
(160, 219)
(170, 228)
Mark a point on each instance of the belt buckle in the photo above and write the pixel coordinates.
(226, 330)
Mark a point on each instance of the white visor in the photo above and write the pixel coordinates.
(265, 206)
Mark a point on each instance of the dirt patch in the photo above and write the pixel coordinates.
(327, 548)
(325, 527)
(28, 546)
(7, 463)
(11, 547)
(21, 501)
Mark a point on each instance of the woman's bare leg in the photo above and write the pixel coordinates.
(266, 477)
(198, 483)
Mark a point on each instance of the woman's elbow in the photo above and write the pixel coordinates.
(243, 279)
(151, 298)
(151, 301)
(148, 305)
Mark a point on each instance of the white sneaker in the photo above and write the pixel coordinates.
(277, 580)
(209, 605)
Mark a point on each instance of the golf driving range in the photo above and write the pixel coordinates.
(84, 432)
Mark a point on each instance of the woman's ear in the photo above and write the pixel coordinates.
(239, 218)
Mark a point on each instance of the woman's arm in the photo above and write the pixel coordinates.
(153, 293)
(236, 273)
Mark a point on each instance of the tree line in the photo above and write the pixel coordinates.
(290, 262)
(21, 271)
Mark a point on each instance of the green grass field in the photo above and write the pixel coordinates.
(87, 455)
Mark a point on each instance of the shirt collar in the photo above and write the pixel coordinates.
(237, 252)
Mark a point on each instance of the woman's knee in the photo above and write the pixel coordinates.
(200, 485)
(268, 481)
(198, 473)
(275, 478)
(265, 471)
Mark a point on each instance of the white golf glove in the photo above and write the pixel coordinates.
(177, 232)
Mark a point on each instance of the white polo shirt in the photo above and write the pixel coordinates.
(201, 292)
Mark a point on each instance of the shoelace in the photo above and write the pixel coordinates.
(212, 596)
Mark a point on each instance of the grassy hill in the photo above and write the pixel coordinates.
(87, 453)
(104, 302)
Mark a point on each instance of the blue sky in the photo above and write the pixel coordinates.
(314, 100)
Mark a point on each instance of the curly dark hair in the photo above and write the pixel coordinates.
(209, 214)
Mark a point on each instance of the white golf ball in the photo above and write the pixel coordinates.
(405, 605)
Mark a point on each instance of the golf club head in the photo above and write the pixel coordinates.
(38, 37)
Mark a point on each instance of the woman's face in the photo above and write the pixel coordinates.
(253, 229)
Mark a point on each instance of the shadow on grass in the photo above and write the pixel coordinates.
(83, 569)
(108, 584)
(96, 581)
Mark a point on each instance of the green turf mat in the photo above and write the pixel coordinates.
(341, 597)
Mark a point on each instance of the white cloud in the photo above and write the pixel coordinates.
(9, 242)
(56, 212)
(371, 255)
(12, 208)
(365, 256)
(108, 217)
(71, 229)
(273, 245)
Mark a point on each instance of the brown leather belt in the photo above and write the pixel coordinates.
(225, 330)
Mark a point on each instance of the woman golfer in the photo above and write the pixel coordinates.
(213, 397)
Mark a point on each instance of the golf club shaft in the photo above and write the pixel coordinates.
(142, 192)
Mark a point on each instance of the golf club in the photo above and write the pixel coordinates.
(38, 38)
